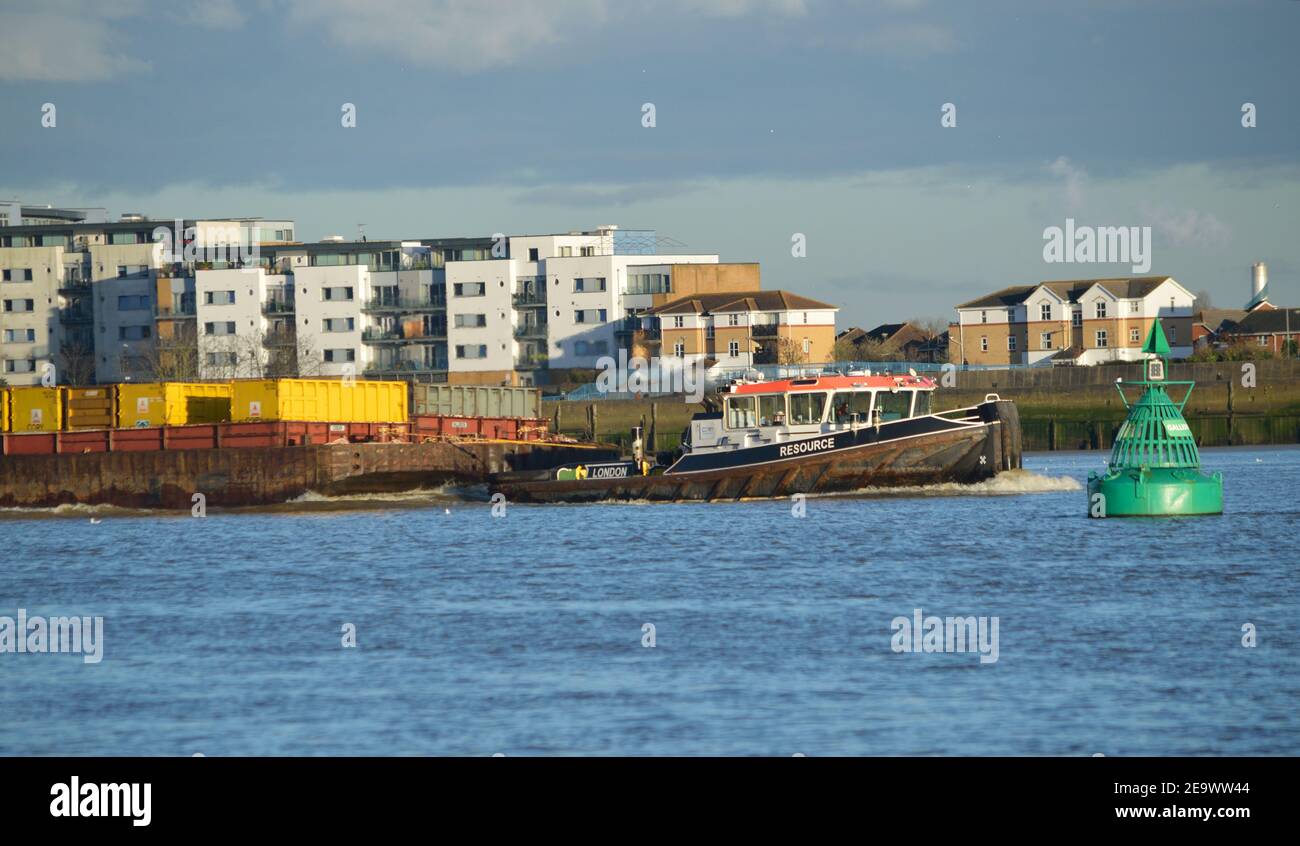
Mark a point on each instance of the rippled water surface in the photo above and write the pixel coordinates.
(523, 634)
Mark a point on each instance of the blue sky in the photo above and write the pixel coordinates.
(773, 117)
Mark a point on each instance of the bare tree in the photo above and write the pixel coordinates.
(789, 351)
(76, 363)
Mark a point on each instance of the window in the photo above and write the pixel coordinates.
(1263, 340)
(133, 333)
(471, 351)
(6, 275)
(20, 336)
(1045, 311)
(221, 327)
(1133, 336)
(590, 347)
(1011, 343)
(921, 406)
(566, 252)
(678, 321)
(771, 410)
(848, 403)
(893, 406)
(1101, 338)
(221, 359)
(742, 412)
(984, 343)
(984, 317)
(1173, 334)
(21, 275)
(220, 298)
(710, 330)
(679, 349)
(21, 365)
(649, 283)
(1076, 318)
(469, 289)
(340, 356)
(1045, 340)
(20, 305)
(470, 321)
(532, 254)
(339, 324)
(132, 303)
(590, 315)
(733, 349)
(1135, 306)
(588, 285)
(1100, 307)
(588, 251)
(342, 293)
(807, 347)
(733, 319)
(807, 408)
(121, 271)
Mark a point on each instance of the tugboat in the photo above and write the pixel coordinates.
(1155, 468)
(820, 434)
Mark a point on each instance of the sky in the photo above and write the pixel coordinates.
(772, 119)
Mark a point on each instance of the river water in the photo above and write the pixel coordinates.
(772, 634)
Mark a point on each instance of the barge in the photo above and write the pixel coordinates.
(816, 435)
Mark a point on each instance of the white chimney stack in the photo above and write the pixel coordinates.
(1258, 279)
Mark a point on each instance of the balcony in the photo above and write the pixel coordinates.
(764, 330)
(652, 334)
(529, 299)
(75, 316)
(184, 311)
(531, 330)
(406, 368)
(396, 305)
(274, 307)
(74, 285)
(280, 338)
(376, 335)
(536, 361)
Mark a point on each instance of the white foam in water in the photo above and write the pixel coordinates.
(1009, 483)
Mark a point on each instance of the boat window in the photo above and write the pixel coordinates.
(740, 412)
(893, 406)
(848, 403)
(807, 408)
(771, 410)
(922, 405)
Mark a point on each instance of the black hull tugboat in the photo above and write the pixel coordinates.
(815, 435)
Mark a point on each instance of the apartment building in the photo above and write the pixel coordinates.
(1087, 321)
(553, 303)
(742, 329)
(78, 292)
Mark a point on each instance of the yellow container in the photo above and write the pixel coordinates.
(4, 409)
(35, 409)
(89, 408)
(172, 403)
(324, 400)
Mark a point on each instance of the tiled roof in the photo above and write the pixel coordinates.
(732, 301)
(1124, 287)
(1263, 321)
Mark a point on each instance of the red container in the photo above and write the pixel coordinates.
(81, 442)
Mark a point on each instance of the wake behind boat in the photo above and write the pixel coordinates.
(813, 435)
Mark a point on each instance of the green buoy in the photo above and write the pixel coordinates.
(1155, 468)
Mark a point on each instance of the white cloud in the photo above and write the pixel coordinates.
(212, 14)
(473, 35)
(1074, 177)
(1186, 227)
(63, 42)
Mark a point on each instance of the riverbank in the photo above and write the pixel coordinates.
(1060, 408)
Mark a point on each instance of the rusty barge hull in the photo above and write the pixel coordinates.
(963, 456)
(250, 476)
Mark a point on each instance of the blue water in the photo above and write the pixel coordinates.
(523, 635)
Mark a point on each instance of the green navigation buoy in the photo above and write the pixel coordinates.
(1155, 468)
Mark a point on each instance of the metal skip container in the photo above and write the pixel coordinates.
(35, 409)
(328, 400)
(476, 401)
(172, 403)
(89, 408)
